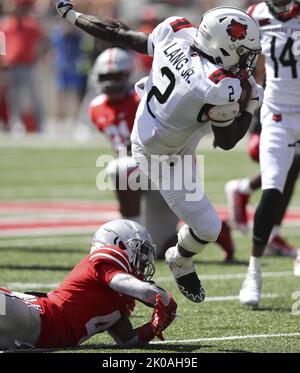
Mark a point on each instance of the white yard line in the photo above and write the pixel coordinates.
(230, 338)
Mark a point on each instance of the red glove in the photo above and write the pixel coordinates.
(253, 146)
(161, 318)
(171, 311)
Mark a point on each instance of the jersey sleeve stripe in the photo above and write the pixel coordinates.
(251, 9)
(220, 74)
(181, 23)
(120, 254)
(111, 250)
(94, 257)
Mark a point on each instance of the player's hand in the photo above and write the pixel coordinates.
(171, 310)
(159, 318)
(162, 316)
(63, 6)
(256, 96)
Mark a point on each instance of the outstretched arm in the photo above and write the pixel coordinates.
(107, 29)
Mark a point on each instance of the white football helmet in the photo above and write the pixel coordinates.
(112, 71)
(134, 239)
(231, 38)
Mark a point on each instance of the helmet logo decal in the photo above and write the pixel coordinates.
(236, 30)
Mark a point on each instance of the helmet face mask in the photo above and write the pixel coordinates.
(246, 66)
(231, 38)
(281, 8)
(114, 84)
(143, 257)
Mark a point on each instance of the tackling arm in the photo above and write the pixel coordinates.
(140, 290)
(107, 29)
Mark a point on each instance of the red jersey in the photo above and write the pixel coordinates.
(115, 119)
(22, 38)
(84, 304)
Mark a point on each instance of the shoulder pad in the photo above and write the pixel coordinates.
(161, 31)
(109, 254)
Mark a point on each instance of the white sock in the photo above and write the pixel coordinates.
(244, 186)
(254, 264)
(275, 231)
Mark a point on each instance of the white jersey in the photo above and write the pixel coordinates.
(170, 114)
(282, 92)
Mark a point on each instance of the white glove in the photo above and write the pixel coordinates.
(63, 6)
(256, 97)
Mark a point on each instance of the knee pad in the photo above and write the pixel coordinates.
(189, 241)
(119, 169)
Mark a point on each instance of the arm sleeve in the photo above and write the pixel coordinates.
(144, 291)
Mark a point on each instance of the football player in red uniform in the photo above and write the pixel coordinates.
(98, 295)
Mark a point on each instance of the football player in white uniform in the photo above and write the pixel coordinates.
(280, 117)
(194, 87)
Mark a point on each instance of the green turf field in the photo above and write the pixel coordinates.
(57, 173)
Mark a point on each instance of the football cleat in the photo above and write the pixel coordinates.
(185, 276)
(225, 241)
(237, 206)
(250, 292)
(278, 246)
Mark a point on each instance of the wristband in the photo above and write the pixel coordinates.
(72, 16)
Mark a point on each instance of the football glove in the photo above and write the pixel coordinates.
(63, 6)
(159, 318)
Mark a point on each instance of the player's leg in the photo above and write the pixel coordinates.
(159, 220)
(277, 245)
(20, 323)
(225, 241)
(275, 160)
(118, 171)
(238, 192)
(188, 202)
